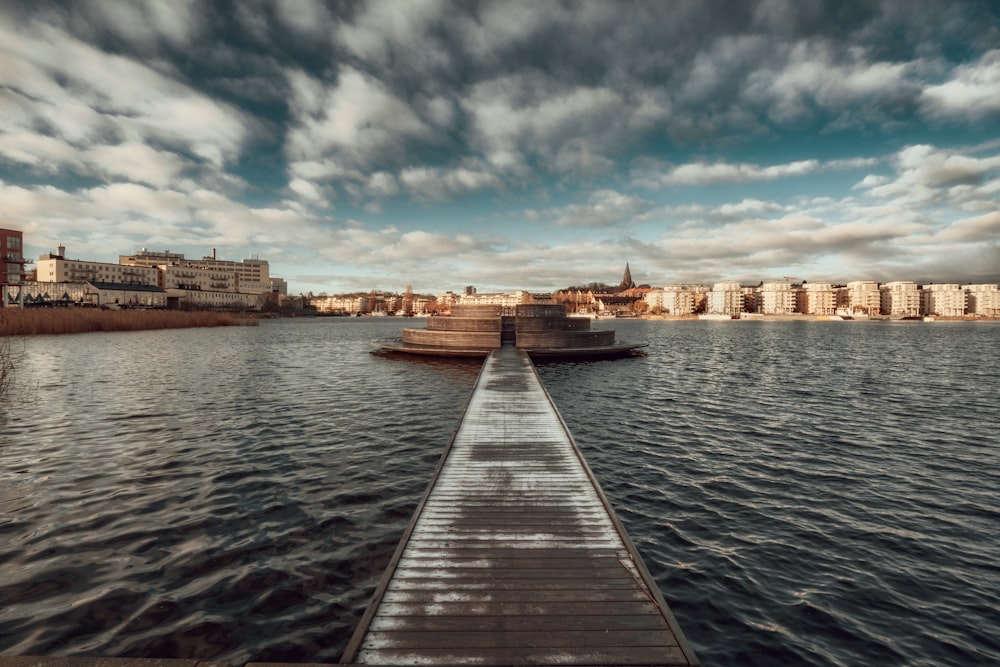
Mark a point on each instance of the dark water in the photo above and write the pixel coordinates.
(808, 493)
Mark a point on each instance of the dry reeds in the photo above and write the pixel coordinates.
(34, 321)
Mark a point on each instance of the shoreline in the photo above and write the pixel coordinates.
(795, 317)
(57, 321)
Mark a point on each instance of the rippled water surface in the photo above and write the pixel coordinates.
(814, 493)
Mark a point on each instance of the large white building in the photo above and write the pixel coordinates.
(983, 300)
(943, 299)
(725, 298)
(776, 298)
(493, 299)
(56, 268)
(251, 276)
(817, 299)
(860, 297)
(204, 283)
(900, 298)
(673, 299)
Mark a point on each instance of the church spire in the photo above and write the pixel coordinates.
(627, 282)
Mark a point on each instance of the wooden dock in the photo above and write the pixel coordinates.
(514, 556)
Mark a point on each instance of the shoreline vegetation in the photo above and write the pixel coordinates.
(42, 321)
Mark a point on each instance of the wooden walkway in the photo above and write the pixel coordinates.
(514, 556)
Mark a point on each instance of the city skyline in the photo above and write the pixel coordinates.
(510, 145)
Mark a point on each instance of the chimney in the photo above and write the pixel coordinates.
(213, 253)
(61, 251)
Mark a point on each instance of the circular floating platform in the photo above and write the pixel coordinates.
(544, 331)
(615, 351)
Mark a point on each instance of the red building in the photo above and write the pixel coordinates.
(11, 256)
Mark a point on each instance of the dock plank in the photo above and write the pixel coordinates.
(514, 556)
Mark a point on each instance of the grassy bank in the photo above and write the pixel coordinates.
(33, 321)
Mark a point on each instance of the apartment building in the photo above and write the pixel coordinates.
(983, 300)
(860, 297)
(56, 268)
(817, 299)
(673, 299)
(12, 256)
(726, 298)
(249, 275)
(900, 298)
(494, 299)
(337, 304)
(777, 298)
(943, 299)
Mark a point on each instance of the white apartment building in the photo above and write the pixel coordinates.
(249, 275)
(860, 297)
(495, 299)
(983, 300)
(338, 304)
(900, 298)
(776, 298)
(208, 282)
(672, 299)
(55, 268)
(817, 299)
(214, 299)
(725, 298)
(943, 299)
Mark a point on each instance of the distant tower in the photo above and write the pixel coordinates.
(408, 300)
(627, 282)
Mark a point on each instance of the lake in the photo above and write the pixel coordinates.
(809, 493)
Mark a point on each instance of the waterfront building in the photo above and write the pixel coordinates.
(277, 286)
(944, 300)
(12, 259)
(673, 299)
(900, 298)
(860, 297)
(509, 299)
(777, 298)
(98, 294)
(349, 304)
(248, 275)
(56, 268)
(817, 299)
(983, 300)
(204, 283)
(726, 298)
(30, 292)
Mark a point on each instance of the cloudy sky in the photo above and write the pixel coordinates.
(509, 145)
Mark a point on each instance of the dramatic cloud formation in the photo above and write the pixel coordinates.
(509, 144)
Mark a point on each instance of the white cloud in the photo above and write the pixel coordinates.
(308, 18)
(438, 184)
(106, 110)
(815, 72)
(383, 26)
(571, 129)
(604, 209)
(357, 121)
(654, 174)
(307, 190)
(142, 23)
(972, 92)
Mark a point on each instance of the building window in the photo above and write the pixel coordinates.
(13, 243)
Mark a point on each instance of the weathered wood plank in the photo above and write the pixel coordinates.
(564, 608)
(553, 622)
(499, 639)
(630, 655)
